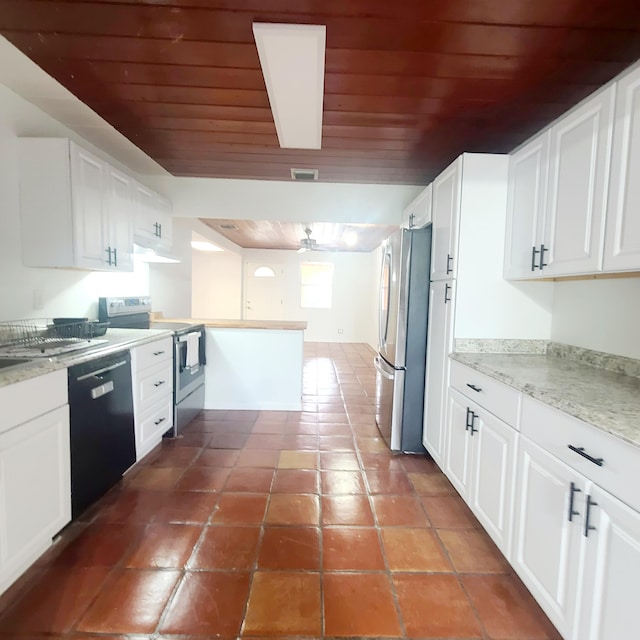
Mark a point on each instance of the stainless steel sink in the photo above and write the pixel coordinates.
(12, 362)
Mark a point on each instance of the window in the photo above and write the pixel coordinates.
(316, 280)
(264, 272)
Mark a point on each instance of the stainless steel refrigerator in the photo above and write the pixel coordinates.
(402, 344)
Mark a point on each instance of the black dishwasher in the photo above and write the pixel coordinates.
(102, 431)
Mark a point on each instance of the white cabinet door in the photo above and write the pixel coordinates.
(439, 339)
(152, 219)
(89, 219)
(459, 457)
(144, 226)
(546, 544)
(493, 479)
(622, 236)
(526, 201)
(446, 210)
(612, 569)
(418, 213)
(580, 149)
(163, 214)
(35, 490)
(119, 214)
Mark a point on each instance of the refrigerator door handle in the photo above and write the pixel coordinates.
(380, 369)
(385, 287)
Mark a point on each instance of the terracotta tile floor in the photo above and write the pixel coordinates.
(278, 524)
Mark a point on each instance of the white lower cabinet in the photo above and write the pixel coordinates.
(577, 548)
(480, 461)
(35, 471)
(611, 576)
(547, 542)
(152, 373)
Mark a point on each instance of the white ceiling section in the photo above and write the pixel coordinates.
(28, 80)
(292, 61)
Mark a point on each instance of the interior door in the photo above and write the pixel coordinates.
(264, 296)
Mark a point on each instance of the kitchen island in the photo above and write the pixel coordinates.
(252, 364)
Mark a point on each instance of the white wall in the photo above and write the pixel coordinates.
(56, 292)
(170, 284)
(287, 201)
(352, 310)
(374, 293)
(603, 315)
(487, 306)
(216, 285)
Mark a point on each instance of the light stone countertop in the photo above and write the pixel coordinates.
(118, 339)
(277, 325)
(605, 399)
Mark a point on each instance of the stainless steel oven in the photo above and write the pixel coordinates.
(189, 362)
(189, 357)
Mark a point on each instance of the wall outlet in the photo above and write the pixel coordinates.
(339, 330)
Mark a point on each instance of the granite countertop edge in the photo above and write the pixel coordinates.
(212, 323)
(620, 421)
(119, 340)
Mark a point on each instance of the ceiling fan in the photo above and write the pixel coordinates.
(311, 244)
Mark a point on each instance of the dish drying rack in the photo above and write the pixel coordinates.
(43, 334)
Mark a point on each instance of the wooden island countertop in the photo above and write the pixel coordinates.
(279, 325)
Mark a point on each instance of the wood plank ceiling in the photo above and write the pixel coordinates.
(329, 236)
(409, 84)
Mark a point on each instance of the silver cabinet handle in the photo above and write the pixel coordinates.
(159, 421)
(102, 390)
(158, 353)
(99, 371)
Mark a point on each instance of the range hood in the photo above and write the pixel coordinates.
(147, 254)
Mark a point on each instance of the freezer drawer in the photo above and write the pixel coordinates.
(389, 398)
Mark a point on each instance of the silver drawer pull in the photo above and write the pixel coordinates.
(160, 382)
(158, 353)
(159, 421)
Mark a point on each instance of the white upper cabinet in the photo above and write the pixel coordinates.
(579, 152)
(446, 209)
(152, 222)
(89, 217)
(557, 200)
(417, 214)
(75, 209)
(622, 236)
(119, 206)
(526, 201)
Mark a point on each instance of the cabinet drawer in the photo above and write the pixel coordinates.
(154, 423)
(153, 383)
(31, 398)
(148, 354)
(494, 396)
(556, 431)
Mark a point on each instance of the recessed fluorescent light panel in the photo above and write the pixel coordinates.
(292, 61)
(203, 245)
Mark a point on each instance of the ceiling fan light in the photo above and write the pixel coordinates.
(292, 61)
(350, 238)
